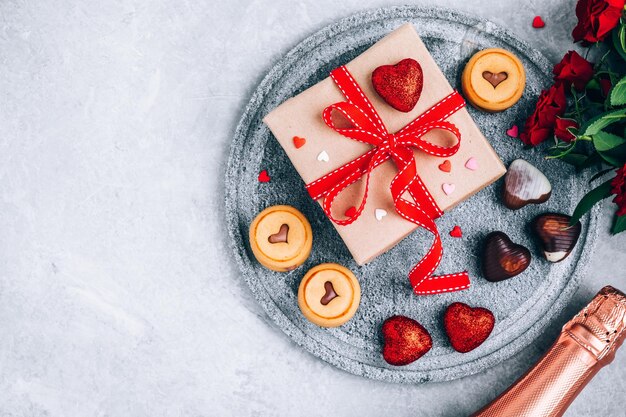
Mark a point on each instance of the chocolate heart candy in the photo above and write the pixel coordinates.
(281, 236)
(524, 184)
(495, 79)
(557, 237)
(503, 259)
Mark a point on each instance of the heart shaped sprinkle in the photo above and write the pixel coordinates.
(456, 232)
(446, 166)
(472, 164)
(513, 131)
(298, 142)
(380, 213)
(323, 157)
(495, 79)
(467, 327)
(503, 259)
(329, 295)
(350, 212)
(399, 85)
(538, 22)
(264, 176)
(448, 188)
(405, 340)
(281, 236)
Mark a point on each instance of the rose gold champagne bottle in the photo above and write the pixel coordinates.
(587, 343)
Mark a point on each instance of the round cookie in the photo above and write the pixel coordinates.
(329, 295)
(493, 80)
(281, 238)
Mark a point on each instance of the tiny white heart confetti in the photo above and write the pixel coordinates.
(472, 164)
(323, 156)
(448, 188)
(380, 213)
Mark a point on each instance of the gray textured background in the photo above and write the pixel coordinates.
(118, 296)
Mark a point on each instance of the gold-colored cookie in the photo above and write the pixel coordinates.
(281, 238)
(329, 295)
(493, 80)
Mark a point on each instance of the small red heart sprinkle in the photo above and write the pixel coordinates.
(513, 131)
(298, 142)
(446, 166)
(538, 22)
(456, 232)
(264, 176)
(350, 212)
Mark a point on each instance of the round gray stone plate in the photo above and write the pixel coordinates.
(523, 305)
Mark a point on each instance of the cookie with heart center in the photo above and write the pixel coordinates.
(329, 295)
(281, 238)
(493, 80)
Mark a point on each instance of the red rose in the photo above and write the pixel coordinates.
(560, 129)
(618, 187)
(540, 124)
(605, 86)
(573, 69)
(596, 18)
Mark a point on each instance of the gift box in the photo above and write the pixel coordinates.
(317, 146)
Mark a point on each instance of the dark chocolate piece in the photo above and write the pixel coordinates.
(503, 259)
(557, 237)
(281, 236)
(495, 79)
(330, 293)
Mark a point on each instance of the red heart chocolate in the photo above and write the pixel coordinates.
(503, 259)
(405, 340)
(399, 85)
(467, 327)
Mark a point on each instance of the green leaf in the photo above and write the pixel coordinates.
(593, 84)
(601, 174)
(615, 156)
(593, 126)
(618, 93)
(576, 159)
(604, 141)
(590, 199)
(619, 225)
(619, 40)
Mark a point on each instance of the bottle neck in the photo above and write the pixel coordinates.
(586, 344)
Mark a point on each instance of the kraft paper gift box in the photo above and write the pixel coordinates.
(301, 116)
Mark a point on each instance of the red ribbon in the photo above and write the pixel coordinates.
(367, 127)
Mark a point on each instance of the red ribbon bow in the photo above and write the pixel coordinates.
(367, 127)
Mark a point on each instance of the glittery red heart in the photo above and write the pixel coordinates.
(399, 85)
(350, 212)
(405, 340)
(467, 327)
(264, 176)
(456, 232)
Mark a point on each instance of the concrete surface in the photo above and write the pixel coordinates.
(118, 296)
